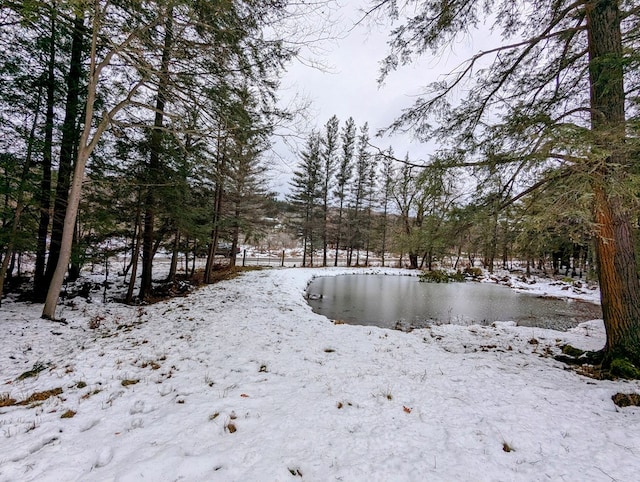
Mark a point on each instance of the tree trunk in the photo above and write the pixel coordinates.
(618, 277)
(304, 252)
(44, 196)
(135, 254)
(311, 248)
(458, 255)
(339, 229)
(235, 236)
(493, 247)
(75, 264)
(413, 260)
(217, 208)
(617, 264)
(173, 267)
(325, 218)
(384, 231)
(146, 282)
(67, 145)
(55, 286)
(193, 260)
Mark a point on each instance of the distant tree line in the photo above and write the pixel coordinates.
(350, 199)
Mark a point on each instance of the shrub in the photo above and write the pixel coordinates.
(435, 276)
(622, 367)
(440, 276)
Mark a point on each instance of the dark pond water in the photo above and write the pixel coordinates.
(403, 301)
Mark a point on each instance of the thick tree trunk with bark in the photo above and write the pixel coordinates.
(617, 273)
(44, 196)
(67, 146)
(413, 261)
(55, 286)
(617, 264)
(146, 282)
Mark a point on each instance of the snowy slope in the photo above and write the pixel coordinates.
(240, 381)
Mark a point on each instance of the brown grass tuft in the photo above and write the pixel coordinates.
(41, 396)
(626, 399)
(6, 400)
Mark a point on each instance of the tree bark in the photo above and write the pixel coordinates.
(339, 228)
(67, 145)
(617, 264)
(57, 279)
(146, 282)
(173, 267)
(413, 261)
(325, 223)
(217, 208)
(75, 264)
(44, 196)
(235, 236)
(135, 254)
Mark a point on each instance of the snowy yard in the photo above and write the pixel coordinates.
(241, 381)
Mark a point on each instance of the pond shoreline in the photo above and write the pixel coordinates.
(408, 305)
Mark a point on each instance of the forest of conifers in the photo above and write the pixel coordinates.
(157, 113)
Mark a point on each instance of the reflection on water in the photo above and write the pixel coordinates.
(384, 301)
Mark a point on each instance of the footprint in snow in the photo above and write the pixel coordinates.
(136, 423)
(165, 389)
(104, 457)
(90, 424)
(138, 407)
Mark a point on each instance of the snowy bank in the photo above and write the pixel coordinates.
(241, 381)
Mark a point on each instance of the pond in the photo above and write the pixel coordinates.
(403, 302)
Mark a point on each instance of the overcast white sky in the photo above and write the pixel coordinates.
(349, 86)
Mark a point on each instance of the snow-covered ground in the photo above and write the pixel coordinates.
(241, 381)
